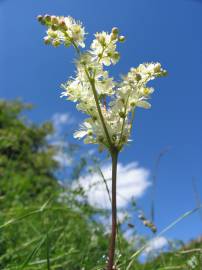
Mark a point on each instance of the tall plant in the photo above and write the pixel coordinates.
(110, 105)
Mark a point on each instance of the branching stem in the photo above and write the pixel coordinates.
(92, 83)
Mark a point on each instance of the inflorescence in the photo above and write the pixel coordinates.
(110, 105)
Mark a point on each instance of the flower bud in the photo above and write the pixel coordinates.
(54, 20)
(114, 137)
(138, 77)
(141, 217)
(40, 18)
(94, 118)
(115, 31)
(122, 114)
(164, 73)
(90, 133)
(146, 223)
(122, 39)
(56, 43)
(153, 228)
(122, 100)
(62, 24)
(47, 18)
(83, 62)
(67, 43)
(47, 40)
(54, 27)
(52, 34)
(116, 56)
(157, 67)
(90, 69)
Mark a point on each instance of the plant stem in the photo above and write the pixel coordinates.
(112, 243)
(92, 82)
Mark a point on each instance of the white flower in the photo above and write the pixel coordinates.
(86, 129)
(133, 91)
(109, 105)
(64, 30)
(103, 48)
(75, 31)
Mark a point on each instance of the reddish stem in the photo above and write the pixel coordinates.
(112, 244)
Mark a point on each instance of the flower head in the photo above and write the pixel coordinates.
(63, 30)
(110, 105)
(103, 47)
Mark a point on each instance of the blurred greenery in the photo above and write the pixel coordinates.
(44, 225)
(63, 233)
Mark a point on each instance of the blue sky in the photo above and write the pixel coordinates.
(156, 30)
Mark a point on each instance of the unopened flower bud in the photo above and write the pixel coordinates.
(141, 217)
(54, 27)
(122, 114)
(94, 118)
(62, 24)
(47, 40)
(83, 62)
(54, 20)
(115, 31)
(116, 56)
(67, 43)
(138, 77)
(40, 18)
(47, 18)
(90, 133)
(90, 69)
(114, 137)
(122, 100)
(52, 34)
(154, 229)
(157, 67)
(122, 39)
(56, 43)
(146, 223)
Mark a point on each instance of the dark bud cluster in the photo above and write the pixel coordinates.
(147, 223)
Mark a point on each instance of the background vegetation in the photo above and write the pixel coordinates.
(44, 225)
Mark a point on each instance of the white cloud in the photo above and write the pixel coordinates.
(156, 244)
(63, 159)
(60, 120)
(132, 181)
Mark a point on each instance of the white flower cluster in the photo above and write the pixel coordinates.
(110, 105)
(63, 30)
